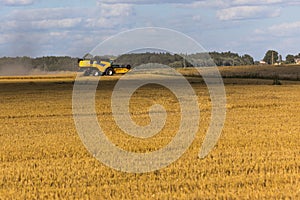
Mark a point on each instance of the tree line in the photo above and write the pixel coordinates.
(65, 63)
(182, 60)
(272, 57)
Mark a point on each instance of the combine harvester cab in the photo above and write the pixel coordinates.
(91, 67)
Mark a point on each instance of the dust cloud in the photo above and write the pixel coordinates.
(15, 70)
(19, 70)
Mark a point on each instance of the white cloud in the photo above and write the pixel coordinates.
(231, 3)
(5, 38)
(59, 34)
(222, 4)
(39, 19)
(286, 26)
(17, 2)
(207, 3)
(60, 31)
(102, 16)
(197, 18)
(56, 23)
(104, 23)
(281, 30)
(226, 9)
(247, 12)
(147, 1)
(76, 30)
(115, 10)
(255, 2)
(47, 13)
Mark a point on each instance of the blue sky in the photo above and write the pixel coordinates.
(41, 28)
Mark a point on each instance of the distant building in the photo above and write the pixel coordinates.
(262, 62)
(297, 61)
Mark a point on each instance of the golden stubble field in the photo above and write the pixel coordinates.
(257, 156)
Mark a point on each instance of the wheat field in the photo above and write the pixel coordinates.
(257, 156)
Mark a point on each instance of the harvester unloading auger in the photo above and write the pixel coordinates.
(91, 66)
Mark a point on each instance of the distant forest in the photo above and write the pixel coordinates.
(53, 63)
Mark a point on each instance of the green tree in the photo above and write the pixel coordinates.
(289, 59)
(271, 57)
(248, 60)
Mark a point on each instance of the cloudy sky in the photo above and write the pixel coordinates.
(74, 27)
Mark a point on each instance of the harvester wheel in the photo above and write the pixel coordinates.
(86, 73)
(109, 72)
(96, 73)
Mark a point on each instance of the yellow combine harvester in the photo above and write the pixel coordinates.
(94, 67)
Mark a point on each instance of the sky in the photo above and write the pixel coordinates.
(38, 28)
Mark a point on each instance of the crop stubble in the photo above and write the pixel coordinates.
(256, 157)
